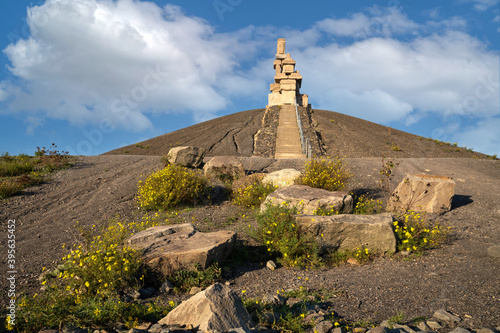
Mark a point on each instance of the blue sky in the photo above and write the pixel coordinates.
(94, 75)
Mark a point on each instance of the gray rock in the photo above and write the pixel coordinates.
(442, 314)
(239, 330)
(137, 330)
(485, 330)
(166, 287)
(195, 290)
(385, 323)
(187, 156)
(423, 326)
(494, 251)
(405, 328)
(275, 299)
(292, 301)
(169, 248)
(433, 324)
(379, 329)
(460, 330)
(156, 328)
(423, 193)
(216, 308)
(282, 178)
(323, 327)
(271, 265)
(308, 200)
(347, 231)
(147, 292)
(224, 167)
(338, 330)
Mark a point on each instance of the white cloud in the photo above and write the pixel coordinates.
(88, 60)
(482, 5)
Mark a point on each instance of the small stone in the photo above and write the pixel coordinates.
(486, 330)
(146, 292)
(494, 251)
(228, 283)
(238, 330)
(166, 287)
(195, 290)
(137, 330)
(156, 328)
(352, 261)
(405, 328)
(460, 330)
(405, 253)
(292, 301)
(445, 315)
(423, 326)
(271, 265)
(313, 317)
(338, 330)
(433, 324)
(379, 329)
(323, 327)
(385, 323)
(144, 326)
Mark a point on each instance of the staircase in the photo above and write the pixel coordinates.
(288, 138)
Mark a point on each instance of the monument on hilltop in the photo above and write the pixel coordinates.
(287, 81)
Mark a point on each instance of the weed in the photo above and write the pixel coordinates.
(397, 319)
(396, 148)
(184, 280)
(361, 254)
(416, 234)
(250, 192)
(170, 187)
(386, 174)
(330, 175)
(325, 211)
(367, 206)
(277, 231)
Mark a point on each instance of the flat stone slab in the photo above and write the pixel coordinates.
(282, 178)
(308, 200)
(423, 193)
(170, 248)
(347, 231)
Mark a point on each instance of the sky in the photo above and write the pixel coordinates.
(95, 75)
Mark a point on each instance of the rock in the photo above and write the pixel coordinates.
(347, 231)
(271, 265)
(379, 329)
(308, 200)
(282, 178)
(137, 330)
(215, 308)
(239, 330)
(275, 299)
(423, 326)
(166, 249)
(494, 251)
(423, 193)
(224, 167)
(404, 328)
(460, 330)
(195, 290)
(485, 330)
(48, 331)
(187, 156)
(166, 287)
(441, 314)
(433, 324)
(292, 301)
(338, 330)
(323, 327)
(147, 292)
(359, 330)
(156, 328)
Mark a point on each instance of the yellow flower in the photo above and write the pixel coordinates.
(243, 291)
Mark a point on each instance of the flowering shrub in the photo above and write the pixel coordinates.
(368, 206)
(85, 288)
(170, 187)
(416, 234)
(330, 175)
(277, 231)
(250, 191)
(325, 211)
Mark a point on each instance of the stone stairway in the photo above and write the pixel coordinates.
(288, 137)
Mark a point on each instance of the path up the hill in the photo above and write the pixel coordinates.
(287, 136)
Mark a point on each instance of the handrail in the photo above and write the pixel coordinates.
(304, 141)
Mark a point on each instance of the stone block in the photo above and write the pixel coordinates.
(282, 178)
(281, 45)
(347, 231)
(288, 97)
(275, 87)
(216, 308)
(423, 193)
(187, 156)
(288, 61)
(288, 85)
(308, 199)
(166, 249)
(224, 166)
(288, 69)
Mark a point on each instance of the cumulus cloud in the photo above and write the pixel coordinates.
(482, 5)
(90, 59)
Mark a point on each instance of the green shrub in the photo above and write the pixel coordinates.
(170, 187)
(184, 280)
(361, 254)
(277, 231)
(416, 234)
(368, 206)
(330, 175)
(9, 188)
(86, 288)
(250, 191)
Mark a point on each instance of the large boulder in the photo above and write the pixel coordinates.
(423, 193)
(308, 200)
(216, 308)
(224, 167)
(347, 231)
(172, 247)
(282, 178)
(187, 156)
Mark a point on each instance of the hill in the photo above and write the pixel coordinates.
(331, 133)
